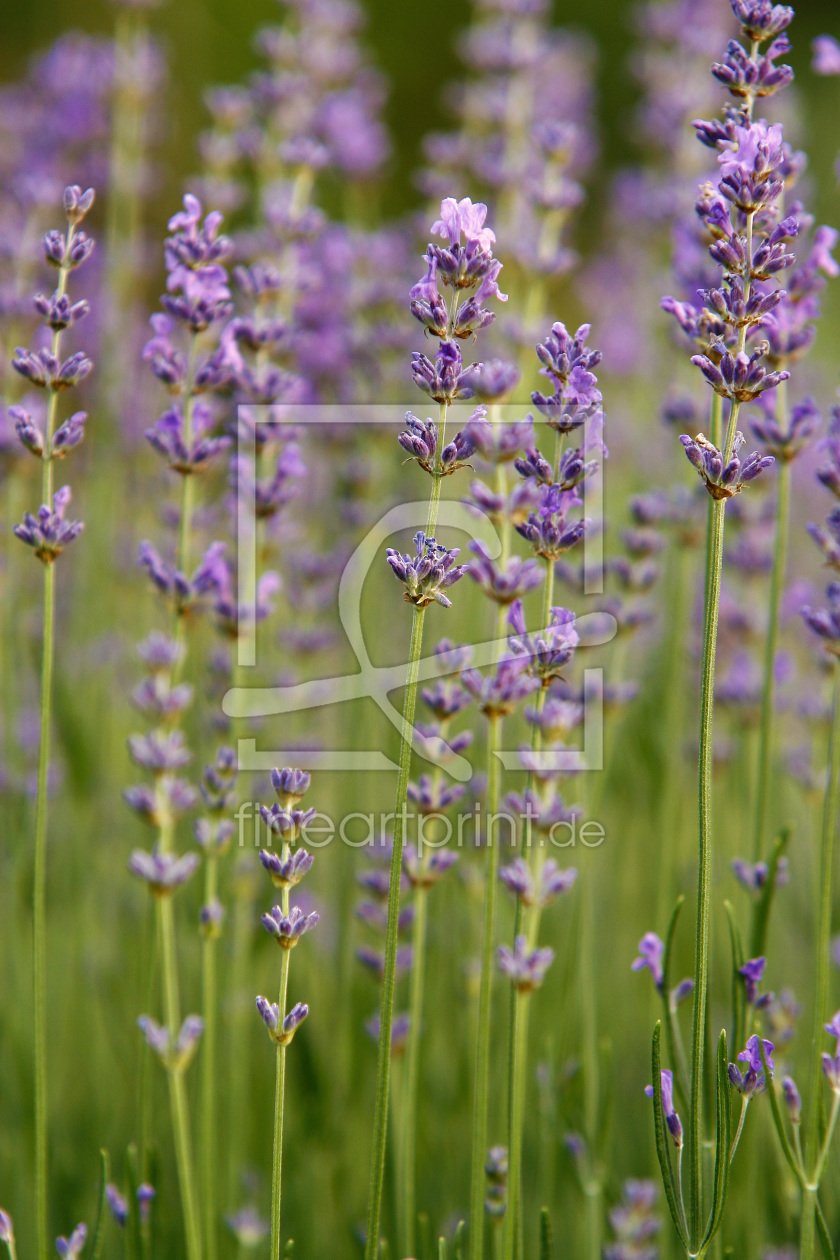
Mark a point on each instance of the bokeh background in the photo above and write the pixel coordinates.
(97, 927)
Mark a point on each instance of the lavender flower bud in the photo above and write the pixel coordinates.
(792, 1098)
(118, 1205)
(288, 929)
(71, 1247)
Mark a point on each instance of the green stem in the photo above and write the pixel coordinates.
(177, 1089)
(380, 1119)
(39, 890)
(704, 875)
(777, 582)
(745, 1102)
(826, 1145)
(808, 1224)
(279, 1101)
(408, 1186)
(513, 1215)
(39, 906)
(482, 1050)
(829, 834)
(383, 1070)
(591, 1074)
(209, 1137)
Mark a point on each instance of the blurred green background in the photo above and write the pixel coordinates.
(211, 41)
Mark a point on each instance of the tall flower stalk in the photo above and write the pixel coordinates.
(197, 297)
(470, 271)
(749, 243)
(286, 923)
(566, 361)
(48, 533)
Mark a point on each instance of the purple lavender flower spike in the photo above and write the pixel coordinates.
(498, 694)
(752, 972)
(281, 1031)
(754, 877)
(828, 538)
(374, 960)
(420, 440)
(434, 797)
(496, 443)
(494, 380)
(286, 872)
(752, 1081)
(503, 584)
(286, 823)
(517, 877)
(427, 574)
(71, 1247)
(399, 1031)
(787, 442)
(672, 1120)
(443, 380)
(723, 482)
(792, 1098)
(247, 1226)
(428, 873)
(49, 533)
(118, 1204)
(548, 530)
(7, 1229)
(288, 929)
(158, 751)
(163, 872)
(525, 967)
(825, 622)
(290, 785)
(651, 952)
(826, 59)
(549, 650)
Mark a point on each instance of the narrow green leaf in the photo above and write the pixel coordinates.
(441, 1249)
(778, 1121)
(825, 1236)
(738, 990)
(546, 1236)
(460, 1240)
(99, 1227)
(678, 1060)
(724, 1125)
(424, 1233)
(761, 913)
(288, 1250)
(661, 1138)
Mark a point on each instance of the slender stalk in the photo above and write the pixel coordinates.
(39, 907)
(481, 1086)
(777, 583)
(521, 1008)
(209, 1136)
(383, 1072)
(380, 1118)
(826, 873)
(591, 1074)
(279, 1100)
(407, 1187)
(177, 1088)
(704, 876)
(39, 890)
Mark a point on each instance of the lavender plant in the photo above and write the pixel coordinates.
(287, 924)
(197, 298)
(470, 270)
(743, 214)
(48, 533)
